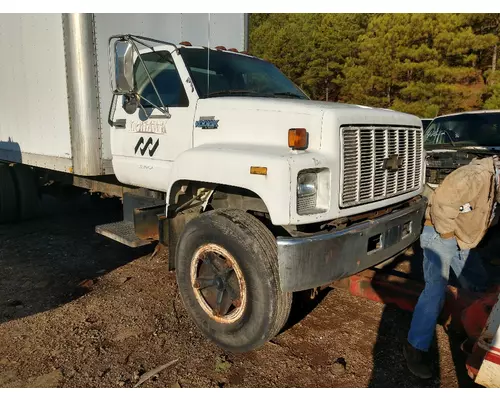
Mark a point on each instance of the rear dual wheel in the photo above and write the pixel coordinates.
(8, 195)
(27, 192)
(19, 197)
(227, 273)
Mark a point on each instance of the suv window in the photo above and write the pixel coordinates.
(482, 129)
(161, 67)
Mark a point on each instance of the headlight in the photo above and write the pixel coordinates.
(313, 191)
(307, 184)
(307, 193)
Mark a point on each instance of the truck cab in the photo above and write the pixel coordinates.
(267, 192)
(232, 112)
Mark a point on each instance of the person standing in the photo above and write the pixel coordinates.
(459, 212)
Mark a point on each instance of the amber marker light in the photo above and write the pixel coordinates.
(258, 170)
(297, 139)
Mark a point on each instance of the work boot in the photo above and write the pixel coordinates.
(416, 360)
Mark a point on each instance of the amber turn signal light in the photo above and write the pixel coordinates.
(297, 139)
(258, 170)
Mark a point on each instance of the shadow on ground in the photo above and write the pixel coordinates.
(303, 304)
(56, 258)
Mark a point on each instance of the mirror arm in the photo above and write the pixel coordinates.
(142, 107)
(135, 37)
(112, 109)
(119, 123)
(165, 110)
(144, 44)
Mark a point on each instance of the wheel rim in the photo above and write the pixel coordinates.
(218, 283)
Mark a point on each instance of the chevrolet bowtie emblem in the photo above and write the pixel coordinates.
(393, 162)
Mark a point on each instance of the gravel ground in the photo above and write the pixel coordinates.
(79, 310)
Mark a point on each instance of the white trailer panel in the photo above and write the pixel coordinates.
(55, 80)
(34, 127)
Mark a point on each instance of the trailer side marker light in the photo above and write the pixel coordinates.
(258, 170)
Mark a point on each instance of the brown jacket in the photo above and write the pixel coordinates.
(474, 184)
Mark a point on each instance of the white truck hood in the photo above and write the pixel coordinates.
(266, 121)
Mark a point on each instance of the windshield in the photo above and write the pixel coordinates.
(465, 130)
(425, 123)
(231, 74)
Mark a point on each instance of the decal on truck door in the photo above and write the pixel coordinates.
(145, 145)
(149, 126)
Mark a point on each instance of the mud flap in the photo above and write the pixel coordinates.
(170, 237)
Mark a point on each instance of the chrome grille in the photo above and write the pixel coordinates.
(364, 151)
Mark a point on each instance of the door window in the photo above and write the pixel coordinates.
(161, 68)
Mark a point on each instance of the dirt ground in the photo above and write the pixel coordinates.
(79, 310)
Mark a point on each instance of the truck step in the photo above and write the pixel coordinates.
(123, 232)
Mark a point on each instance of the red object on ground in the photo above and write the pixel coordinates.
(475, 316)
(403, 292)
(463, 310)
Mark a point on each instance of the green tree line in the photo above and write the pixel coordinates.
(424, 64)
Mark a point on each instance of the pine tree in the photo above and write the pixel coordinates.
(424, 64)
(332, 42)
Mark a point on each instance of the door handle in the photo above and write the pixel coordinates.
(120, 123)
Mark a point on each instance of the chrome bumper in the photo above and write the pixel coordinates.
(313, 261)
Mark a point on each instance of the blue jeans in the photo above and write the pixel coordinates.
(439, 255)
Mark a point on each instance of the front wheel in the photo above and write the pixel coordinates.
(227, 273)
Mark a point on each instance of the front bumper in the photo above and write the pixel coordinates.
(313, 261)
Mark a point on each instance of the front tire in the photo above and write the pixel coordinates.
(227, 273)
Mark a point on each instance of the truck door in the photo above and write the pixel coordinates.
(145, 143)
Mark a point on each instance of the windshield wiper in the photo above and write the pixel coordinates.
(434, 137)
(288, 94)
(230, 92)
(449, 135)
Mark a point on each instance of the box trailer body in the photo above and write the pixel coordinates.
(56, 82)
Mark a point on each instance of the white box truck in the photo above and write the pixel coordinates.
(257, 190)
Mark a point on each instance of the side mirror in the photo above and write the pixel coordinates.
(130, 103)
(121, 49)
(123, 67)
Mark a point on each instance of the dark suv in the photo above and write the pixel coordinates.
(454, 140)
